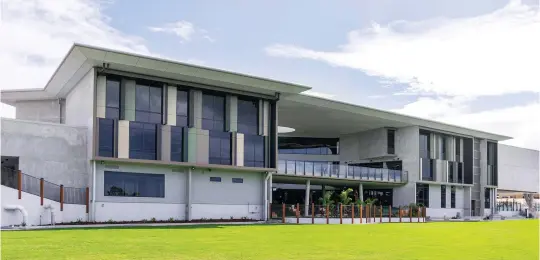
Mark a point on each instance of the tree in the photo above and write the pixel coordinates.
(344, 196)
(327, 198)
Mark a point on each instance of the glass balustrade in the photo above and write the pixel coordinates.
(342, 171)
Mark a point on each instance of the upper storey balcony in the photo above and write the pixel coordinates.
(340, 171)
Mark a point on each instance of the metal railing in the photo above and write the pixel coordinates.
(352, 213)
(342, 171)
(44, 189)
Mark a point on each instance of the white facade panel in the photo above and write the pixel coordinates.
(111, 211)
(518, 169)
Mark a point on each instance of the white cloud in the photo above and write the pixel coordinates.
(36, 34)
(183, 29)
(492, 54)
(450, 62)
(518, 121)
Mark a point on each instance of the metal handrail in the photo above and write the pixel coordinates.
(342, 171)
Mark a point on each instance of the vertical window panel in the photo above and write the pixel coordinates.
(220, 148)
(177, 144)
(213, 112)
(106, 137)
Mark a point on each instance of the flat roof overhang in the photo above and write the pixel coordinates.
(81, 58)
(318, 117)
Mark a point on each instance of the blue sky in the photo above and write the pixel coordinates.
(460, 61)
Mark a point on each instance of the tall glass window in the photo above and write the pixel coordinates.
(443, 196)
(142, 141)
(391, 136)
(424, 144)
(487, 198)
(213, 113)
(458, 148)
(106, 137)
(112, 98)
(453, 197)
(177, 143)
(254, 151)
(443, 148)
(220, 148)
(182, 108)
(422, 194)
(148, 103)
(307, 145)
(248, 116)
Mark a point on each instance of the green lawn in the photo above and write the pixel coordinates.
(482, 240)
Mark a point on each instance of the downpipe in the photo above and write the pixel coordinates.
(51, 208)
(265, 199)
(21, 209)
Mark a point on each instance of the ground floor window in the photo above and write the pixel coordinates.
(487, 200)
(383, 196)
(453, 197)
(443, 196)
(128, 184)
(422, 194)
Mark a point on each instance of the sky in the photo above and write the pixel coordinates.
(469, 63)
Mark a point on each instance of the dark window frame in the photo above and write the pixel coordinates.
(151, 112)
(487, 198)
(237, 180)
(143, 130)
(453, 197)
(422, 194)
(248, 123)
(177, 143)
(254, 151)
(443, 196)
(182, 100)
(222, 154)
(391, 141)
(137, 181)
(215, 179)
(214, 111)
(105, 131)
(112, 103)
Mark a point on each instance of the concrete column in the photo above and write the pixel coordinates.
(123, 139)
(239, 151)
(306, 201)
(232, 113)
(101, 93)
(270, 189)
(188, 195)
(361, 191)
(165, 142)
(128, 99)
(171, 105)
(195, 108)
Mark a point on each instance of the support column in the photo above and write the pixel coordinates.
(361, 191)
(306, 201)
(188, 195)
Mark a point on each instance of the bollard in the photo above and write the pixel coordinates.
(352, 214)
(360, 209)
(399, 213)
(283, 214)
(312, 213)
(87, 200)
(418, 214)
(297, 213)
(380, 216)
(389, 214)
(62, 197)
(340, 213)
(410, 214)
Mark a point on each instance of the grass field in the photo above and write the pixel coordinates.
(482, 240)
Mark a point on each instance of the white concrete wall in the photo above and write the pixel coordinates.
(407, 149)
(438, 213)
(133, 211)
(518, 169)
(217, 211)
(363, 145)
(38, 110)
(56, 152)
(37, 214)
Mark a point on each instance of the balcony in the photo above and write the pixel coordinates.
(340, 171)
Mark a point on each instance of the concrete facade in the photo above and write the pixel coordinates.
(56, 137)
(56, 152)
(518, 169)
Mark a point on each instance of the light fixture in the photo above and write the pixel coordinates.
(284, 129)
